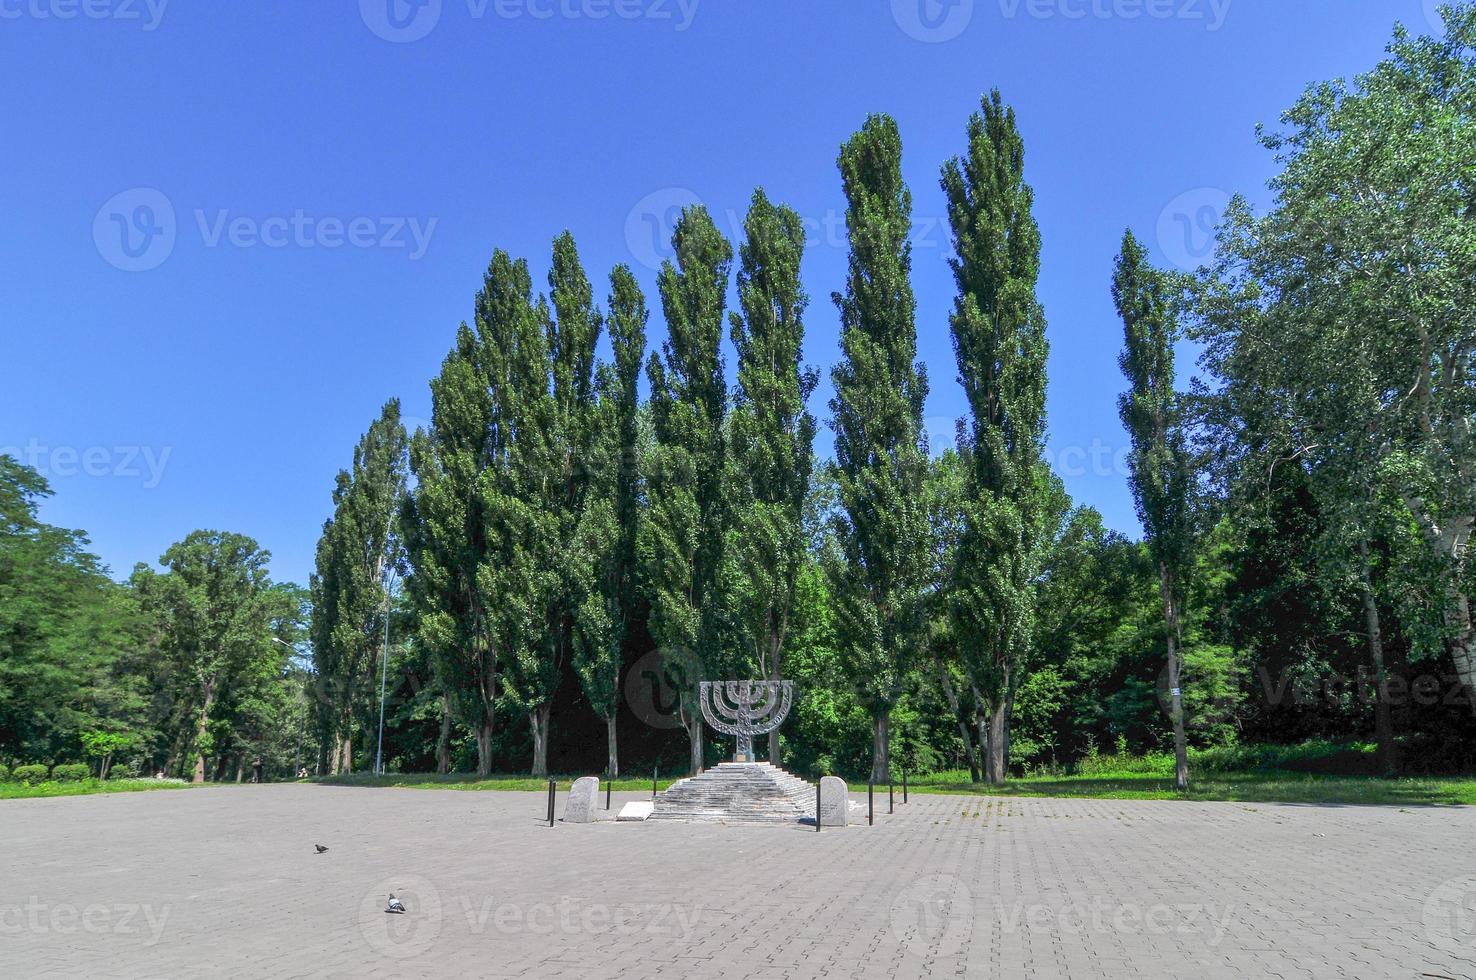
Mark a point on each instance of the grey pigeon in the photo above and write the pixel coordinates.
(395, 906)
(321, 848)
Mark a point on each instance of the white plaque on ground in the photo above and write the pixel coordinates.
(636, 810)
(581, 805)
(835, 807)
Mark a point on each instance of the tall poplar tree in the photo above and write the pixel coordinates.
(772, 432)
(1000, 345)
(478, 533)
(686, 520)
(881, 526)
(1159, 466)
(359, 547)
(531, 497)
(605, 544)
(446, 536)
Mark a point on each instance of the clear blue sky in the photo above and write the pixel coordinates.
(231, 231)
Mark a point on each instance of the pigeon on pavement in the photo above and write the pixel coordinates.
(395, 906)
(321, 848)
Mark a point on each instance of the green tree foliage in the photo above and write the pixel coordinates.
(1160, 468)
(477, 526)
(73, 657)
(687, 518)
(606, 539)
(999, 341)
(1363, 272)
(878, 570)
(358, 552)
(218, 618)
(772, 435)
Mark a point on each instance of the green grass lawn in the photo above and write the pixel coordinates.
(1316, 772)
(1267, 786)
(20, 791)
(469, 781)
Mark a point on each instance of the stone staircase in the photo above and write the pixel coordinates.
(738, 792)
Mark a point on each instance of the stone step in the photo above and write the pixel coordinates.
(738, 792)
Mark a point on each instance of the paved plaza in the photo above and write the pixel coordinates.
(225, 882)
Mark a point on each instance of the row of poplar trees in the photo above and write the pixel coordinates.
(548, 505)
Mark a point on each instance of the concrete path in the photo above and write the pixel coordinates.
(225, 882)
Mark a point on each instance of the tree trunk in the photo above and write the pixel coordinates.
(998, 762)
(538, 721)
(443, 743)
(1383, 722)
(881, 744)
(774, 675)
(613, 766)
(694, 738)
(200, 727)
(1461, 647)
(1176, 695)
(484, 747)
(963, 729)
(487, 691)
(981, 723)
(240, 769)
(104, 766)
(346, 754)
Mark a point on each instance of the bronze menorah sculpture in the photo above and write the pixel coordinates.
(745, 709)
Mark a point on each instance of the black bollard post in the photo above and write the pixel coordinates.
(817, 806)
(891, 797)
(870, 805)
(551, 786)
(653, 781)
(904, 785)
(609, 785)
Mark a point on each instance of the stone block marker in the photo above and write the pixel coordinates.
(835, 805)
(580, 807)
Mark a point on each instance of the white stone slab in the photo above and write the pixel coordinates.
(835, 810)
(637, 810)
(580, 807)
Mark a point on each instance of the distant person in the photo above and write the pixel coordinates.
(302, 773)
(256, 770)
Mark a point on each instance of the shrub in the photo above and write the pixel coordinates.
(72, 772)
(29, 774)
(4, 772)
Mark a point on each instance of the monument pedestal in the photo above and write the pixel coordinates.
(738, 792)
